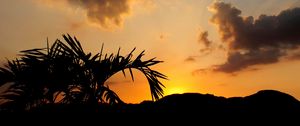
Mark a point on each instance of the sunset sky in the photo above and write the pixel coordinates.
(226, 48)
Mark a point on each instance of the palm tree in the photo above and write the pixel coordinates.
(64, 73)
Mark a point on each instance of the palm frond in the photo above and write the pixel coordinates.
(42, 72)
(108, 96)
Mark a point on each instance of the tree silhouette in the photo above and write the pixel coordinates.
(65, 74)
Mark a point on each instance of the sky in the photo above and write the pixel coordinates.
(227, 48)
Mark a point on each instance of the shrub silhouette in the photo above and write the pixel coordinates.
(65, 74)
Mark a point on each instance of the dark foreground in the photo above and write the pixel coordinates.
(262, 102)
(267, 107)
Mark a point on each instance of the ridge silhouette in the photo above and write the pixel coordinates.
(265, 102)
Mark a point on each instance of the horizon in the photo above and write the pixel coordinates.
(227, 48)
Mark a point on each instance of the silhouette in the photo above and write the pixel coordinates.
(265, 102)
(63, 75)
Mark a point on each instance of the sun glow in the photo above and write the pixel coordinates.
(175, 90)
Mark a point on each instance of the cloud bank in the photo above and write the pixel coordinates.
(254, 41)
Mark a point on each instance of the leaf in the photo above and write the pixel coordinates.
(123, 71)
(65, 67)
(131, 74)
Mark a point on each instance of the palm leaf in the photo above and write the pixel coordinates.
(42, 72)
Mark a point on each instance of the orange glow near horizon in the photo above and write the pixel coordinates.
(175, 90)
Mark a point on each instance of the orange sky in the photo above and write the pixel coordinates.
(169, 30)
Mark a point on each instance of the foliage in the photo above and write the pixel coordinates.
(64, 73)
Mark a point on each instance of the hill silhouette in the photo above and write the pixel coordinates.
(264, 102)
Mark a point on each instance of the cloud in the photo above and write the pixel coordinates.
(208, 47)
(203, 39)
(254, 41)
(190, 59)
(208, 44)
(106, 13)
(237, 61)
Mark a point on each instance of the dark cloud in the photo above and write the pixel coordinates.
(203, 39)
(208, 45)
(237, 61)
(190, 59)
(105, 13)
(255, 41)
